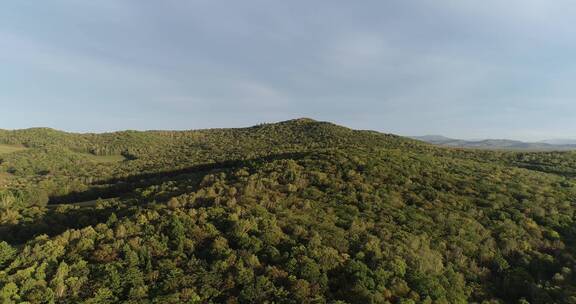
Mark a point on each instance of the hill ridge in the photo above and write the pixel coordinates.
(292, 212)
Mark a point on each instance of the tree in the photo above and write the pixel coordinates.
(7, 253)
(58, 282)
(9, 293)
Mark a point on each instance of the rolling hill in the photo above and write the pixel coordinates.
(500, 144)
(299, 211)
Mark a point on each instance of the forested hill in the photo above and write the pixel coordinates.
(293, 212)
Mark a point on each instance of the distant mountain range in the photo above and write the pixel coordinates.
(500, 144)
(560, 141)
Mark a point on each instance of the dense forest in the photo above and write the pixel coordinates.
(293, 212)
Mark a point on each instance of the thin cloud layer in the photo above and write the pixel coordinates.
(459, 68)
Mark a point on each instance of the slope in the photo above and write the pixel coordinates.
(302, 212)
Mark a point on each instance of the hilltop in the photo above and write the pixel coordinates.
(299, 211)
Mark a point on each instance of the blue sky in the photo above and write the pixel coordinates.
(462, 68)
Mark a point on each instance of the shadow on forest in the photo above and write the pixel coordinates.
(116, 187)
(55, 221)
(539, 167)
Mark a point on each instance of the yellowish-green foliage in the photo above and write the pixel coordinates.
(103, 158)
(295, 212)
(5, 149)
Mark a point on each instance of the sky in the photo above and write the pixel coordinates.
(460, 68)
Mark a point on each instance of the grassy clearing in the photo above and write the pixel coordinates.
(4, 178)
(5, 149)
(104, 158)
